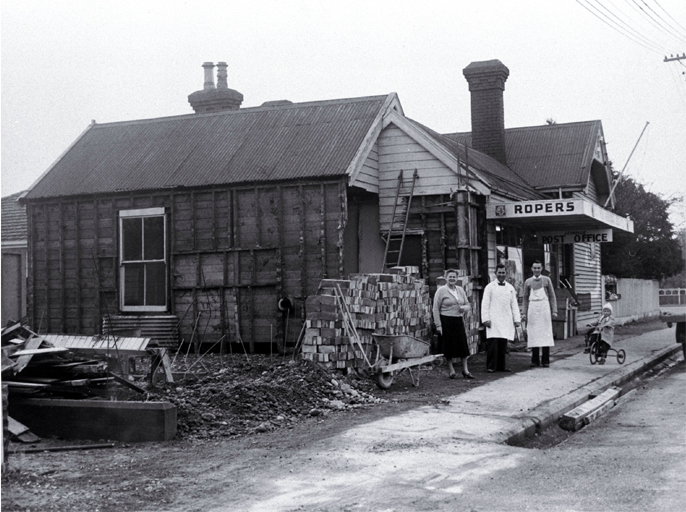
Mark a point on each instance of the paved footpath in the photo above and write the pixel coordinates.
(440, 448)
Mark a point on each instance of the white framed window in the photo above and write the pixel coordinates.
(143, 260)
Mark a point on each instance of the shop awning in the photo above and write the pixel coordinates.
(558, 214)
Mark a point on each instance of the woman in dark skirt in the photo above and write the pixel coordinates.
(450, 305)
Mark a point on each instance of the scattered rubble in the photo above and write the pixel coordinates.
(215, 396)
(255, 394)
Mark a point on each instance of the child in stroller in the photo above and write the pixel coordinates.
(602, 331)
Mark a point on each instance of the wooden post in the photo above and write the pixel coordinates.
(214, 219)
(232, 219)
(253, 279)
(303, 263)
(94, 254)
(322, 229)
(79, 323)
(46, 216)
(193, 221)
(171, 248)
(342, 221)
(63, 298)
(258, 216)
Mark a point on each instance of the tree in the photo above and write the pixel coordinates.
(652, 251)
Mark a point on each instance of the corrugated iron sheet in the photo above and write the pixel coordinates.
(498, 175)
(549, 156)
(305, 140)
(14, 224)
(553, 155)
(98, 342)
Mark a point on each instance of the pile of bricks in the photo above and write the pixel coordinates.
(395, 303)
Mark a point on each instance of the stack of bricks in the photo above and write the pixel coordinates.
(395, 303)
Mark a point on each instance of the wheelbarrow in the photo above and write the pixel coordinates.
(397, 354)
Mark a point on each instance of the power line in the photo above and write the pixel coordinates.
(652, 19)
(670, 16)
(673, 31)
(634, 31)
(614, 27)
(644, 21)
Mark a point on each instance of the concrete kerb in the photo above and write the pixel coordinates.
(551, 411)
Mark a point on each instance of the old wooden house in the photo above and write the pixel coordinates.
(216, 226)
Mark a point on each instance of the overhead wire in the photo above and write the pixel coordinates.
(655, 22)
(614, 26)
(638, 34)
(671, 29)
(663, 24)
(652, 32)
(671, 17)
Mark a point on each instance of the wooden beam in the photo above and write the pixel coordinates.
(31, 344)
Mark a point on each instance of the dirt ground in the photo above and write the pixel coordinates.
(217, 429)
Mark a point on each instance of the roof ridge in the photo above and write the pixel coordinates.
(259, 108)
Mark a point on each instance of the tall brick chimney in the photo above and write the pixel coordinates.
(211, 98)
(486, 83)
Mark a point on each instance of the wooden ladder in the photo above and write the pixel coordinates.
(396, 241)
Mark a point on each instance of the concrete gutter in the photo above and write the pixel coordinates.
(548, 413)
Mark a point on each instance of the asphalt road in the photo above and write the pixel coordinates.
(631, 459)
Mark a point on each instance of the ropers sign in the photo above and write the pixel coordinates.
(575, 237)
(564, 215)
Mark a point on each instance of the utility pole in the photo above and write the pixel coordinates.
(673, 58)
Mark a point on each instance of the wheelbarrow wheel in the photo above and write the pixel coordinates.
(384, 380)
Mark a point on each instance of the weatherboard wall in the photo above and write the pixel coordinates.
(399, 152)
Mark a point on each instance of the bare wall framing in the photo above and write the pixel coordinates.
(232, 254)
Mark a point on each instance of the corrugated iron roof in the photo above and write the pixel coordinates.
(499, 176)
(303, 140)
(14, 224)
(549, 156)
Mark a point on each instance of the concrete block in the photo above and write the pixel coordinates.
(97, 419)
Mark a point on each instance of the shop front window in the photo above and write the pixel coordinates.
(143, 272)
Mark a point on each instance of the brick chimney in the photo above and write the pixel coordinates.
(486, 83)
(214, 99)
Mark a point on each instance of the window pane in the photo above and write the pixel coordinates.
(155, 284)
(133, 284)
(154, 238)
(132, 238)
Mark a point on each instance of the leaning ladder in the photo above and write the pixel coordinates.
(397, 239)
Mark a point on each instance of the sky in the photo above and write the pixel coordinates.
(65, 63)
